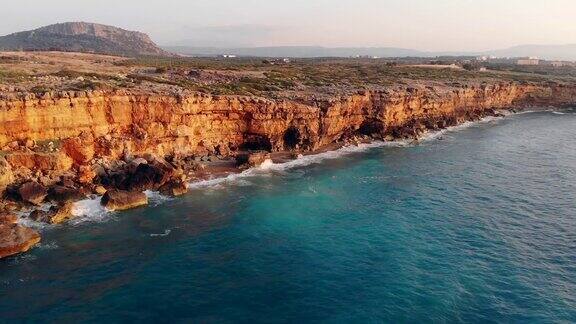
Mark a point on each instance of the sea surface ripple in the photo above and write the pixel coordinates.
(475, 225)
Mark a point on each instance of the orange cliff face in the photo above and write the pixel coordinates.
(74, 129)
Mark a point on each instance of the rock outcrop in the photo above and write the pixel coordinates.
(174, 188)
(33, 192)
(55, 215)
(16, 239)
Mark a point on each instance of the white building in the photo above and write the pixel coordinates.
(528, 61)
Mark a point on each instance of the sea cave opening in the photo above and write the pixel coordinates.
(292, 138)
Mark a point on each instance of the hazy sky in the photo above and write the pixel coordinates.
(418, 24)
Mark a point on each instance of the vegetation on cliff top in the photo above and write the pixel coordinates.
(295, 79)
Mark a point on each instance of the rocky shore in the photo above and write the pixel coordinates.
(58, 148)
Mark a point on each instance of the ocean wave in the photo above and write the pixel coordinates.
(89, 210)
(155, 198)
(432, 135)
(48, 246)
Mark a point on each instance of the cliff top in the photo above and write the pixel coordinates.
(301, 79)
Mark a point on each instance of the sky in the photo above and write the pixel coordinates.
(429, 25)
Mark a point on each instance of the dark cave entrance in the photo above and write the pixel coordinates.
(256, 143)
(371, 128)
(292, 138)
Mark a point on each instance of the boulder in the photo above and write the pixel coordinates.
(122, 200)
(56, 214)
(16, 239)
(33, 192)
(252, 159)
(174, 188)
(148, 176)
(65, 193)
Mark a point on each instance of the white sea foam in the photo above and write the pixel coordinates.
(166, 233)
(48, 246)
(436, 134)
(155, 198)
(24, 219)
(269, 166)
(89, 210)
(558, 113)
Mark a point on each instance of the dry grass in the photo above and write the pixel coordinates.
(40, 71)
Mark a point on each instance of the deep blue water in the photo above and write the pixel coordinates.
(478, 227)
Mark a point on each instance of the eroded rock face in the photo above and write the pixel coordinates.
(33, 192)
(16, 239)
(122, 200)
(116, 125)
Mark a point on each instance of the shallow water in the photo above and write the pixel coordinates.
(475, 225)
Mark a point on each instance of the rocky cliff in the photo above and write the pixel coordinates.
(60, 147)
(54, 133)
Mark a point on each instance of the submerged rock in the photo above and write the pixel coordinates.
(122, 200)
(16, 239)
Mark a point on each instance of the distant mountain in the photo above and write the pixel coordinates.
(82, 37)
(549, 52)
(298, 51)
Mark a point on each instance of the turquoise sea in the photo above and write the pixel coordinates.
(475, 225)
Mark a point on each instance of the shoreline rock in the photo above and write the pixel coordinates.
(174, 189)
(33, 192)
(122, 200)
(55, 215)
(16, 239)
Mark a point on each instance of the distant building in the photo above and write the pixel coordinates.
(229, 55)
(483, 69)
(528, 61)
(557, 64)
